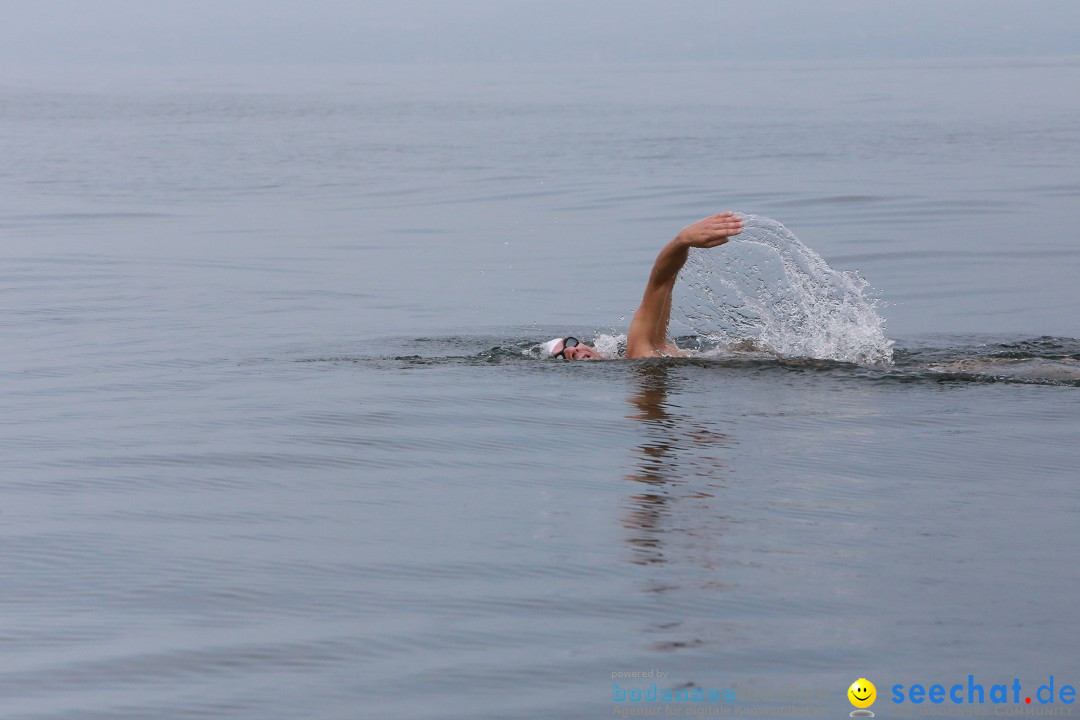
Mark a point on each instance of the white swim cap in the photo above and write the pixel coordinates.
(549, 346)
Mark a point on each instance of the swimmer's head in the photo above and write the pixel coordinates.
(570, 348)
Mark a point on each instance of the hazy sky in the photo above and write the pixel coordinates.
(267, 31)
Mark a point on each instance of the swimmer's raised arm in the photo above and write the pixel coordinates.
(648, 330)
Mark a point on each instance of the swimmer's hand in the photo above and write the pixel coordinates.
(711, 231)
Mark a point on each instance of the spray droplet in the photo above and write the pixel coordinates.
(768, 287)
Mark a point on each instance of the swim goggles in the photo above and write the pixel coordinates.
(567, 343)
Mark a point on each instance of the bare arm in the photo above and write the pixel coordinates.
(648, 330)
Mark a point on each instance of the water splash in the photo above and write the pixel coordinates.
(766, 288)
(610, 346)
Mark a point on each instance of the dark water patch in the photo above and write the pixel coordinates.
(1057, 190)
(176, 664)
(75, 218)
(1047, 348)
(222, 459)
(479, 569)
(921, 255)
(990, 374)
(1040, 361)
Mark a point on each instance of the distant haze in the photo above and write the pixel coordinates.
(318, 31)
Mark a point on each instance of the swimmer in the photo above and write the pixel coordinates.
(648, 332)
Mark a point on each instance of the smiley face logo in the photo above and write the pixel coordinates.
(862, 693)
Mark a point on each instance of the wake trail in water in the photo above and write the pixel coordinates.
(1042, 360)
(767, 289)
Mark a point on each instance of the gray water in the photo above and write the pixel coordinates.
(277, 442)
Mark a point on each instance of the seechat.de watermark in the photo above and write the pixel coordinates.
(968, 699)
(978, 693)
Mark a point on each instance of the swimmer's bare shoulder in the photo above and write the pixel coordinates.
(647, 336)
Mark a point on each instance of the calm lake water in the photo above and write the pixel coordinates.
(277, 442)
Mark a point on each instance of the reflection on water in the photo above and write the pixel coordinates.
(674, 448)
(656, 460)
(672, 517)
